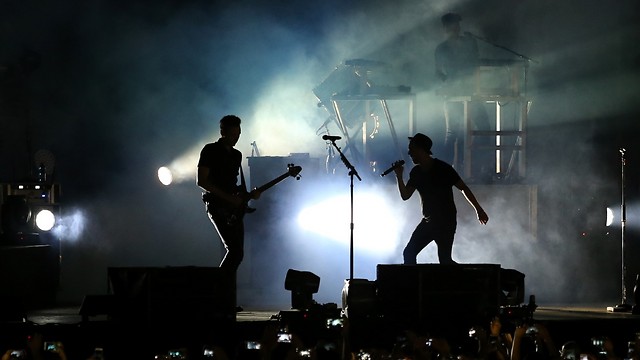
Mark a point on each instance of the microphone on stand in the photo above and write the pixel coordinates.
(394, 166)
(478, 37)
(472, 35)
(331, 137)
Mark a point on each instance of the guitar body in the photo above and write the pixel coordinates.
(233, 216)
(221, 210)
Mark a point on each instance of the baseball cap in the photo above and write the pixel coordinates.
(422, 141)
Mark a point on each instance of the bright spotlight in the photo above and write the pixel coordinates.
(45, 220)
(165, 176)
(610, 217)
(377, 227)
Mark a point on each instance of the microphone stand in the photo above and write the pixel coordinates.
(623, 306)
(501, 47)
(352, 172)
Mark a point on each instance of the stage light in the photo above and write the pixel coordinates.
(45, 220)
(28, 209)
(165, 176)
(610, 217)
(182, 168)
(375, 216)
(302, 284)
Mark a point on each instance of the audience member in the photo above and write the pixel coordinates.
(529, 341)
(533, 342)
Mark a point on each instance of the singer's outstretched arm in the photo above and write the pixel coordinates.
(468, 194)
(405, 191)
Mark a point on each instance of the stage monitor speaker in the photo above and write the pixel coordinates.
(512, 287)
(359, 298)
(435, 294)
(29, 275)
(185, 295)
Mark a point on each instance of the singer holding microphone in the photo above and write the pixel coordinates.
(434, 180)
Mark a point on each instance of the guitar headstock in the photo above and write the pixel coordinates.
(294, 171)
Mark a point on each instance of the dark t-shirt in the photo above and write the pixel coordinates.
(458, 60)
(435, 187)
(224, 165)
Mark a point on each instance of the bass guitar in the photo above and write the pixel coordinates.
(232, 216)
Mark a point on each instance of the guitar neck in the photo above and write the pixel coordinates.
(273, 182)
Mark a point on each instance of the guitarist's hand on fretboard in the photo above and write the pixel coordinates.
(255, 194)
(238, 204)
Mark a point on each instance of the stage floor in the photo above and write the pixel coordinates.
(549, 313)
(584, 312)
(68, 315)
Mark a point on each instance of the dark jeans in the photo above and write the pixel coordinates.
(426, 232)
(232, 237)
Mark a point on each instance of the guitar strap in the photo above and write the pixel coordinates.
(243, 183)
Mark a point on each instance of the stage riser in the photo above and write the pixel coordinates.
(432, 293)
(29, 275)
(173, 294)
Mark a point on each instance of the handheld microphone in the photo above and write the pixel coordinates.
(394, 166)
(331, 137)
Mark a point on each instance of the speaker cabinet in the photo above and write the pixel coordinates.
(29, 275)
(359, 298)
(512, 286)
(434, 293)
(173, 294)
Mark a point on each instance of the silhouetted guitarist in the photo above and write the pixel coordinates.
(226, 201)
(218, 169)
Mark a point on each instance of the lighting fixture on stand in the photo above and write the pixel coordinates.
(623, 306)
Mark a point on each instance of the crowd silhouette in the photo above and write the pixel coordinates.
(497, 339)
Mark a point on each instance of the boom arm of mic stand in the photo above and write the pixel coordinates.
(504, 48)
(345, 161)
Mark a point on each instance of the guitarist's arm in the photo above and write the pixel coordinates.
(235, 200)
(202, 180)
(255, 194)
